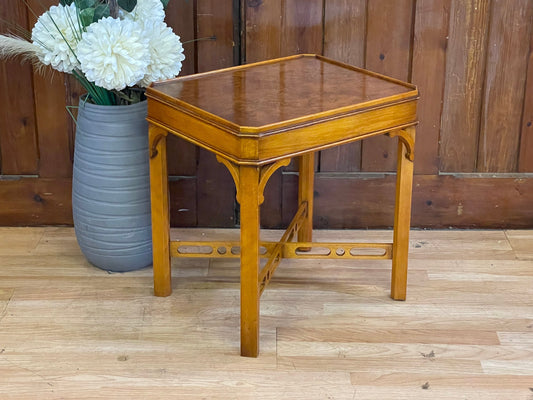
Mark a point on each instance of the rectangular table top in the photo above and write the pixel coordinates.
(262, 112)
(281, 90)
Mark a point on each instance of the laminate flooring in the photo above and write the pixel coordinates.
(328, 328)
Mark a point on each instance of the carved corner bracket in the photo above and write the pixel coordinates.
(407, 137)
(233, 170)
(155, 135)
(265, 173)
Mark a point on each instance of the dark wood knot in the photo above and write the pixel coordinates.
(254, 3)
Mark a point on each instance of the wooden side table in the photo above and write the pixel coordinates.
(255, 118)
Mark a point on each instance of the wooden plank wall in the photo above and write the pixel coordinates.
(472, 61)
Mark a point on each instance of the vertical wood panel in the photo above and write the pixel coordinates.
(526, 139)
(183, 202)
(302, 27)
(388, 51)
(181, 155)
(345, 31)
(344, 40)
(271, 209)
(18, 141)
(73, 92)
(428, 73)
(465, 66)
(216, 191)
(180, 17)
(263, 30)
(215, 18)
(54, 127)
(508, 50)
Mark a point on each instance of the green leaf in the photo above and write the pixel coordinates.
(84, 4)
(66, 2)
(165, 3)
(127, 5)
(101, 11)
(87, 16)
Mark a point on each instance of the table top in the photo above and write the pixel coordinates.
(258, 113)
(280, 92)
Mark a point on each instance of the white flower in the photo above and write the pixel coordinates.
(148, 10)
(166, 53)
(56, 37)
(114, 53)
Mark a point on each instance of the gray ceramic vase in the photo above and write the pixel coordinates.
(111, 186)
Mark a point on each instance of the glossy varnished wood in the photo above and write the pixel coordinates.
(281, 108)
(160, 211)
(306, 194)
(249, 200)
(273, 92)
(402, 218)
(255, 118)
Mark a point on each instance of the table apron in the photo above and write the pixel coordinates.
(287, 142)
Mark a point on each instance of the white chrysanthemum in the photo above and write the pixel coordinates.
(147, 10)
(166, 53)
(56, 38)
(114, 53)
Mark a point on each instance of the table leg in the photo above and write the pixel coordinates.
(160, 212)
(249, 200)
(305, 194)
(402, 218)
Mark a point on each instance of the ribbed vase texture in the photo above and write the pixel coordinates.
(111, 186)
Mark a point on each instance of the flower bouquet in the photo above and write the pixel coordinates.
(114, 48)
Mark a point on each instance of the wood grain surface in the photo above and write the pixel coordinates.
(446, 200)
(263, 30)
(53, 91)
(301, 30)
(504, 92)
(526, 138)
(428, 73)
(329, 330)
(18, 140)
(472, 61)
(214, 19)
(463, 92)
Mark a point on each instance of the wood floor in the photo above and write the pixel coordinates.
(328, 329)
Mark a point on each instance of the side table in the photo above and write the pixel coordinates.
(256, 118)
